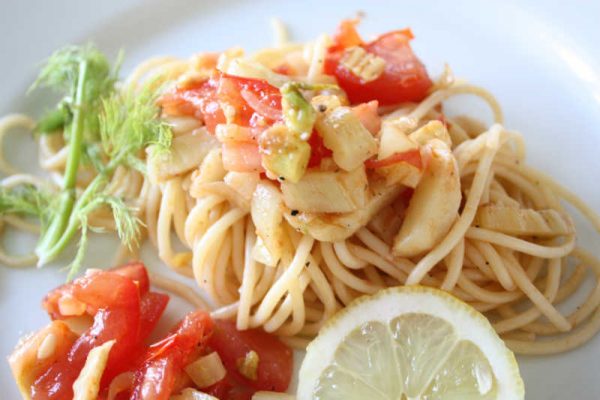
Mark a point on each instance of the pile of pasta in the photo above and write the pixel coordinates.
(476, 222)
(510, 252)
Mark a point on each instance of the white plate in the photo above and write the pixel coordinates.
(541, 61)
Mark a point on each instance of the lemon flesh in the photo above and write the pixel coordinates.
(409, 343)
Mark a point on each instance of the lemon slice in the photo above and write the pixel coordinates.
(409, 343)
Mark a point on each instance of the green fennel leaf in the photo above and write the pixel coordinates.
(62, 68)
(106, 128)
(84, 76)
(61, 73)
(130, 122)
(75, 266)
(25, 200)
(126, 220)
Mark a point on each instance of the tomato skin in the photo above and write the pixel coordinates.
(152, 306)
(318, 151)
(117, 301)
(412, 157)
(164, 361)
(136, 271)
(275, 365)
(404, 78)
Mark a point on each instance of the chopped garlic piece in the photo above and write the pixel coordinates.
(47, 347)
(248, 366)
(87, 385)
(207, 370)
(70, 306)
(366, 66)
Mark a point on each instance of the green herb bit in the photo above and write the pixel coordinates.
(25, 200)
(62, 69)
(130, 122)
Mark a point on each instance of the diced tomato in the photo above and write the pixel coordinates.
(368, 116)
(126, 311)
(249, 96)
(117, 300)
(123, 309)
(165, 360)
(412, 157)
(197, 100)
(152, 306)
(318, 151)
(226, 98)
(275, 364)
(346, 34)
(136, 271)
(403, 79)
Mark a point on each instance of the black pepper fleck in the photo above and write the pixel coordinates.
(294, 213)
(281, 178)
(322, 108)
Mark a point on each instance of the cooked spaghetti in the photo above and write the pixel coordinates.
(425, 198)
